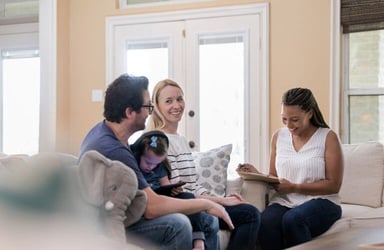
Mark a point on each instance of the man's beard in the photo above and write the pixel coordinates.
(140, 126)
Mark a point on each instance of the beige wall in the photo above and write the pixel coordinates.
(299, 56)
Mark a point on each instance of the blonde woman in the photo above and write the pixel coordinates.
(168, 101)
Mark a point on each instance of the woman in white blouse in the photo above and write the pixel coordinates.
(306, 156)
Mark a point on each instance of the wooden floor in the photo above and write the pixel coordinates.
(348, 240)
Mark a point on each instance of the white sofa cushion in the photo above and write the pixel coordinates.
(234, 186)
(363, 174)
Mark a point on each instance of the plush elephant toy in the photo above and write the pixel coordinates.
(54, 201)
(113, 188)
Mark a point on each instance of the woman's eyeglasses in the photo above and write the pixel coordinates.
(149, 107)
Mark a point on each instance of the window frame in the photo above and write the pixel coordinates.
(348, 92)
(339, 77)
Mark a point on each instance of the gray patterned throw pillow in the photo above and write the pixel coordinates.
(211, 169)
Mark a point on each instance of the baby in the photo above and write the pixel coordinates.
(150, 151)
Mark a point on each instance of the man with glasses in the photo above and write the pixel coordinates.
(149, 107)
(126, 107)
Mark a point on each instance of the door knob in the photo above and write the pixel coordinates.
(191, 144)
(191, 113)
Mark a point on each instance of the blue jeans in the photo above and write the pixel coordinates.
(172, 231)
(246, 219)
(204, 226)
(283, 227)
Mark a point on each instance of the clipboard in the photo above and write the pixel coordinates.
(258, 177)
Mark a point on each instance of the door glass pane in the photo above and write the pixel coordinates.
(366, 118)
(150, 59)
(21, 101)
(221, 94)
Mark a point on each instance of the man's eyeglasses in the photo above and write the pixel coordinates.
(149, 107)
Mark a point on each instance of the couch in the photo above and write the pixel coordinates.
(362, 195)
(53, 201)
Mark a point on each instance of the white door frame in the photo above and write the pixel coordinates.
(260, 137)
(47, 46)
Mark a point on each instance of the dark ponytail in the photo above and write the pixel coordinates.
(306, 101)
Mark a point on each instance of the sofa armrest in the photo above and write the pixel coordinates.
(255, 192)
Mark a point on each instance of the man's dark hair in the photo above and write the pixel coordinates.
(125, 91)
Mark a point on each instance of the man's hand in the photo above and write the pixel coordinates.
(219, 211)
(232, 200)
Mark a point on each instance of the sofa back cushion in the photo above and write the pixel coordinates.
(363, 174)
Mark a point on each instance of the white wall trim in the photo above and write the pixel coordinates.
(264, 83)
(47, 44)
(335, 81)
(123, 3)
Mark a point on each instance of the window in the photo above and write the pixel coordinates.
(26, 33)
(225, 53)
(19, 11)
(363, 63)
(19, 89)
(20, 101)
(364, 87)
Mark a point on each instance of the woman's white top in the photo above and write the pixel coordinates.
(304, 166)
(183, 167)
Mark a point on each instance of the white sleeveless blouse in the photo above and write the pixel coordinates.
(304, 166)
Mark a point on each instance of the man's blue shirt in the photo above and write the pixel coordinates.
(102, 139)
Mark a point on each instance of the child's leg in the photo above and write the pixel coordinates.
(204, 227)
(198, 244)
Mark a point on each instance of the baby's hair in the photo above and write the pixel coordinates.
(157, 144)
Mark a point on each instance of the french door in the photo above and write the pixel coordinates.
(219, 59)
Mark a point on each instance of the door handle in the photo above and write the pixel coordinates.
(191, 144)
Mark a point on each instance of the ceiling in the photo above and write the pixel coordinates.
(18, 11)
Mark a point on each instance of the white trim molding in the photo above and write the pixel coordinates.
(123, 4)
(335, 77)
(47, 44)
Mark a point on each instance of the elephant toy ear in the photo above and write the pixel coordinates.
(92, 169)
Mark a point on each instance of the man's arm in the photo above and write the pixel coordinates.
(158, 205)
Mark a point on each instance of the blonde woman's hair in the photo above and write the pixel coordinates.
(156, 120)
